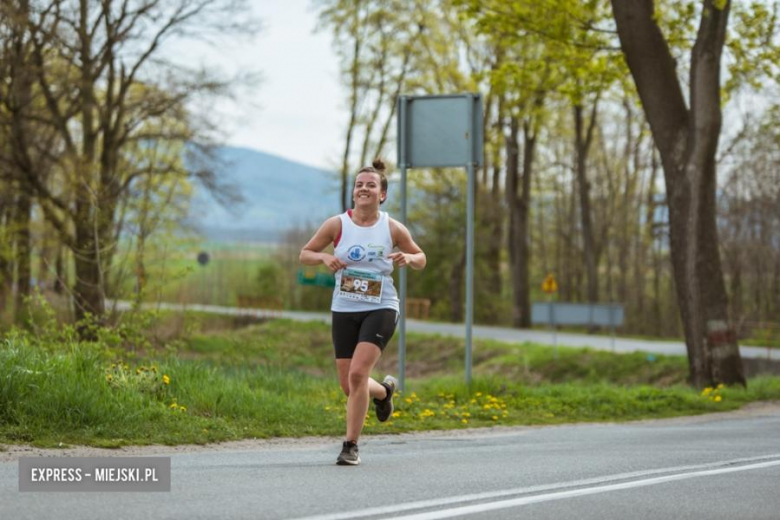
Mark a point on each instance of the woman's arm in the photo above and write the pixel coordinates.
(410, 253)
(312, 254)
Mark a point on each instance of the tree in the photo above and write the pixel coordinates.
(88, 59)
(376, 43)
(687, 139)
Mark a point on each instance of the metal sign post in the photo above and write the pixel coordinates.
(436, 132)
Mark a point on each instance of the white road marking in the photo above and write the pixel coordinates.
(691, 471)
(503, 504)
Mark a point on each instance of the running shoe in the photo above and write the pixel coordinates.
(384, 407)
(349, 454)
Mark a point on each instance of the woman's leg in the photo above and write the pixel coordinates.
(376, 390)
(363, 361)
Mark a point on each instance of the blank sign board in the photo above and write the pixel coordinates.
(440, 131)
(577, 314)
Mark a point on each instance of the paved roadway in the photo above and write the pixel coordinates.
(498, 333)
(721, 466)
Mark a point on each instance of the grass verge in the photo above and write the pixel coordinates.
(277, 379)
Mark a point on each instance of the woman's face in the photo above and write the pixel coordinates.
(368, 190)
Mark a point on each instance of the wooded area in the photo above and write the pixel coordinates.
(603, 159)
(631, 148)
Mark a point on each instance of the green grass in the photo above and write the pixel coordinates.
(278, 379)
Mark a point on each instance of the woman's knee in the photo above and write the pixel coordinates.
(358, 378)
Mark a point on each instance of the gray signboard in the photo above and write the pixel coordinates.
(607, 315)
(440, 131)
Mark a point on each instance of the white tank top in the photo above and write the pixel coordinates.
(366, 284)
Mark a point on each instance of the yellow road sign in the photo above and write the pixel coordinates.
(549, 285)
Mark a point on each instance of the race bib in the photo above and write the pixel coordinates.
(361, 286)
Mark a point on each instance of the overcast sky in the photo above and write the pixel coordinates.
(297, 110)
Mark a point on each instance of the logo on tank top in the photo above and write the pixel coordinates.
(356, 253)
(376, 252)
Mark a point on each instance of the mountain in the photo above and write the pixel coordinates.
(278, 194)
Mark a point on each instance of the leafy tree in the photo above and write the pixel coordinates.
(87, 59)
(686, 134)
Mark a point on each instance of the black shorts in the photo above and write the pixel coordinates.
(351, 328)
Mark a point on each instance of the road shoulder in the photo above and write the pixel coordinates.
(12, 452)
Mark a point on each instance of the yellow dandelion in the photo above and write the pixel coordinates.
(720, 386)
(166, 379)
(495, 417)
(464, 421)
(466, 414)
(479, 394)
(408, 401)
(109, 378)
(717, 399)
(706, 391)
(396, 415)
(173, 406)
(182, 408)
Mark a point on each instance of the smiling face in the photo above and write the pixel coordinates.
(368, 190)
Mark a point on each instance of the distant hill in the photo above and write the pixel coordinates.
(278, 194)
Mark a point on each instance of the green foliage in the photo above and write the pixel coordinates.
(270, 280)
(753, 46)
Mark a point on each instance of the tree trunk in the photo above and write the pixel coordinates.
(6, 265)
(456, 288)
(687, 140)
(23, 257)
(87, 287)
(518, 194)
(60, 281)
(495, 211)
(353, 115)
(523, 299)
(582, 141)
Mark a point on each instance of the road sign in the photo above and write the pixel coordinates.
(438, 132)
(549, 285)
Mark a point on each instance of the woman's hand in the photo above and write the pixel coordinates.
(332, 263)
(400, 259)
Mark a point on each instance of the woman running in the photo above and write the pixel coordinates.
(365, 302)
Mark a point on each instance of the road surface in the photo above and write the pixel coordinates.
(720, 466)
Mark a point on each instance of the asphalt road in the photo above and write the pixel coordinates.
(721, 466)
(507, 334)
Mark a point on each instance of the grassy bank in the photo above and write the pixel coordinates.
(278, 379)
